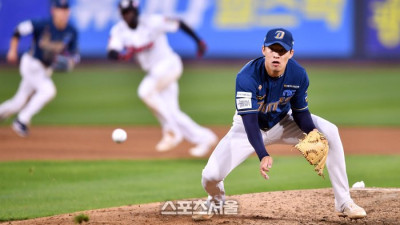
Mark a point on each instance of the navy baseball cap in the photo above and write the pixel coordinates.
(64, 4)
(279, 36)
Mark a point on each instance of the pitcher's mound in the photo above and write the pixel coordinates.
(281, 207)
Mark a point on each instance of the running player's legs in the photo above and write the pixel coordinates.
(45, 92)
(43, 88)
(167, 72)
(151, 97)
(15, 104)
(170, 95)
(287, 132)
(231, 151)
(191, 131)
(150, 89)
(25, 90)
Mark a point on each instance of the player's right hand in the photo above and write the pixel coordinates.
(12, 57)
(130, 52)
(265, 165)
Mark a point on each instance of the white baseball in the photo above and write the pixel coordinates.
(359, 184)
(119, 135)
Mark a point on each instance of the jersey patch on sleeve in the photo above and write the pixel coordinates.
(242, 94)
(243, 103)
(25, 27)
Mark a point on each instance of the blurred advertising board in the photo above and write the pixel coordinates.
(382, 29)
(231, 28)
(14, 11)
(236, 28)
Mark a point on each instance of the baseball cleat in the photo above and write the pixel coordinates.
(205, 146)
(352, 211)
(168, 142)
(201, 213)
(20, 128)
(202, 217)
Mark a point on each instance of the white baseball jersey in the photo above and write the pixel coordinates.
(149, 39)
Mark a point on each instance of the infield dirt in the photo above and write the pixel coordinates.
(95, 143)
(284, 207)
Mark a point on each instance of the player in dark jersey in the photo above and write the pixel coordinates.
(54, 47)
(272, 108)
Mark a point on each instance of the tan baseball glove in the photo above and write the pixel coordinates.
(314, 147)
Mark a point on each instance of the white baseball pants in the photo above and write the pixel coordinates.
(160, 92)
(35, 90)
(234, 148)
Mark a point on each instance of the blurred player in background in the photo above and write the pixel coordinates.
(54, 47)
(272, 108)
(144, 37)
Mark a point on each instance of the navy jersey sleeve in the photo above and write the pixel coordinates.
(38, 26)
(299, 102)
(250, 122)
(246, 100)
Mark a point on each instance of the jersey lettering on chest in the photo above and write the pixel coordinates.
(266, 107)
(52, 43)
(140, 39)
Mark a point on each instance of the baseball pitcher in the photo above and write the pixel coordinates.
(272, 108)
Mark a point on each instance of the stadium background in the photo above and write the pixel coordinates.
(322, 29)
(351, 50)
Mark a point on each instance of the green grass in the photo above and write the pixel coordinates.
(31, 189)
(355, 95)
(107, 94)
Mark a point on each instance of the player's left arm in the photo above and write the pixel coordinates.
(247, 108)
(201, 45)
(300, 112)
(250, 123)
